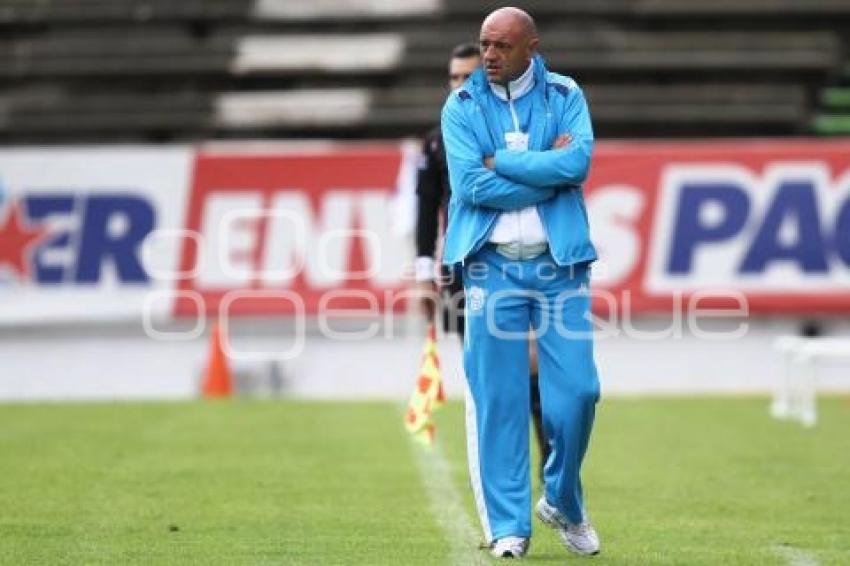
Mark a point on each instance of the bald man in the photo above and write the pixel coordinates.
(432, 191)
(518, 143)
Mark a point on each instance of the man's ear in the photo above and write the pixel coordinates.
(533, 43)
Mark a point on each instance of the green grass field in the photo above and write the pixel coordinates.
(669, 481)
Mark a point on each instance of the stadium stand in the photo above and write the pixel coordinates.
(159, 70)
(834, 105)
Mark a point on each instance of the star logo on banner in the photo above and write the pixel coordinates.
(17, 239)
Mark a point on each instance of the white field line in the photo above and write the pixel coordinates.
(447, 507)
(795, 556)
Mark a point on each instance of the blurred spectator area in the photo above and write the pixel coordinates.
(175, 70)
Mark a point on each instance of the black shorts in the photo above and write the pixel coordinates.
(451, 288)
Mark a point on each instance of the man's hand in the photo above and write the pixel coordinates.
(427, 295)
(562, 141)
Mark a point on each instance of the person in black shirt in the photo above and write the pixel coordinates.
(432, 193)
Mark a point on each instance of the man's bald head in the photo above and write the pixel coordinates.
(513, 16)
(508, 41)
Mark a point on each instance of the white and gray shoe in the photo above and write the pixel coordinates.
(509, 547)
(580, 538)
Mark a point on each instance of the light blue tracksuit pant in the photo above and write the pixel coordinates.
(504, 298)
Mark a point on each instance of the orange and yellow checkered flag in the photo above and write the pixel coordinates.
(428, 395)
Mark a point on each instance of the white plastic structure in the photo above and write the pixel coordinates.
(795, 396)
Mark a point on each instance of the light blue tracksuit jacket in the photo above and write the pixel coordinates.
(547, 293)
(549, 179)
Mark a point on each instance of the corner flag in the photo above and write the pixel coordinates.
(428, 395)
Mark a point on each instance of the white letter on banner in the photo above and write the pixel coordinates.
(285, 247)
(231, 238)
(384, 250)
(615, 210)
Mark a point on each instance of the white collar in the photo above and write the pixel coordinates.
(518, 87)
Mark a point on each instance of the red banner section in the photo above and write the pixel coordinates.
(295, 232)
(678, 226)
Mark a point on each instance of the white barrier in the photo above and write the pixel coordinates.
(795, 396)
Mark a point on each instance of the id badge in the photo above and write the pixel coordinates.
(516, 141)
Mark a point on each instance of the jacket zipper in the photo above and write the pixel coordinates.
(517, 214)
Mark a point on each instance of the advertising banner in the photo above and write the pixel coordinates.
(282, 229)
(764, 220)
(73, 229)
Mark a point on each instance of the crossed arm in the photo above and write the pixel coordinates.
(560, 142)
(470, 180)
(512, 180)
(566, 163)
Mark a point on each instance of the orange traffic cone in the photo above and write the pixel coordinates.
(217, 380)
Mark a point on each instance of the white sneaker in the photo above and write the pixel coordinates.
(509, 547)
(580, 538)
